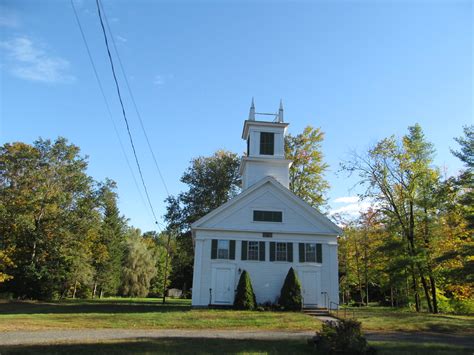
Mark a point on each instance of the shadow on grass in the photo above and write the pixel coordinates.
(169, 346)
(91, 306)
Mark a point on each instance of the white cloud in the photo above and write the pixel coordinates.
(8, 18)
(30, 62)
(159, 80)
(353, 206)
(121, 39)
(347, 199)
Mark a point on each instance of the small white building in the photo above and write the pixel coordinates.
(265, 230)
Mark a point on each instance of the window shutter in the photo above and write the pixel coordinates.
(319, 253)
(261, 247)
(289, 251)
(214, 249)
(272, 251)
(243, 255)
(302, 256)
(232, 250)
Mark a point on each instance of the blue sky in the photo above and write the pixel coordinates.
(360, 70)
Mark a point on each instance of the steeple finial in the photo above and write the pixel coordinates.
(280, 112)
(252, 111)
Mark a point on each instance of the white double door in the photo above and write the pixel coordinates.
(311, 285)
(223, 277)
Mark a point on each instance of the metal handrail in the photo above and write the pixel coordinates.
(337, 307)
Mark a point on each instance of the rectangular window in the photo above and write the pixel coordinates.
(310, 252)
(267, 143)
(223, 249)
(253, 251)
(281, 252)
(267, 216)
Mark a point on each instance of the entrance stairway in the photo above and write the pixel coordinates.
(316, 311)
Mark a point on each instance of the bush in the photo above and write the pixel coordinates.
(290, 297)
(343, 336)
(245, 298)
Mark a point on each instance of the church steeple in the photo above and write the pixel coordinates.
(252, 111)
(265, 149)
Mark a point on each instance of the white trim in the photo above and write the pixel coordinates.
(260, 232)
(247, 124)
(270, 180)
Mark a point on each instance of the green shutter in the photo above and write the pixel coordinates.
(232, 250)
(319, 253)
(214, 249)
(302, 255)
(261, 248)
(289, 252)
(243, 255)
(272, 251)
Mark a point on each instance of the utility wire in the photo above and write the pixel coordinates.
(134, 102)
(123, 112)
(106, 102)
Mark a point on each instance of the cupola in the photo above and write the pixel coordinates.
(265, 148)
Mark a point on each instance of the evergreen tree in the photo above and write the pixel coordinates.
(245, 297)
(290, 296)
(466, 180)
(110, 245)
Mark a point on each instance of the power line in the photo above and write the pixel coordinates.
(123, 112)
(106, 101)
(134, 102)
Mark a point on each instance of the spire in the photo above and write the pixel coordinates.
(252, 111)
(280, 112)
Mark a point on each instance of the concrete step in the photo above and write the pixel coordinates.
(316, 311)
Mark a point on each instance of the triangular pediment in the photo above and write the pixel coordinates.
(268, 195)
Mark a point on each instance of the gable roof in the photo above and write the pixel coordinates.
(318, 216)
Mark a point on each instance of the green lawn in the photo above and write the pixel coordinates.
(391, 319)
(142, 314)
(177, 314)
(220, 346)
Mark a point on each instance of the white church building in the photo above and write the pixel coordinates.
(265, 230)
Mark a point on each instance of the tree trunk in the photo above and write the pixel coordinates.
(425, 288)
(433, 294)
(75, 289)
(415, 289)
(94, 291)
(165, 281)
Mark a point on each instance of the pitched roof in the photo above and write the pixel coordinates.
(318, 216)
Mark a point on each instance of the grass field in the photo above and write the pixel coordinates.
(141, 314)
(391, 319)
(122, 313)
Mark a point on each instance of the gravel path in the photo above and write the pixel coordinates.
(98, 335)
(95, 335)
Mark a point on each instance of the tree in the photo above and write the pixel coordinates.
(396, 175)
(48, 216)
(110, 244)
(157, 244)
(466, 179)
(5, 263)
(245, 297)
(290, 296)
(211, 181)
(139, 266)
(307, 171)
